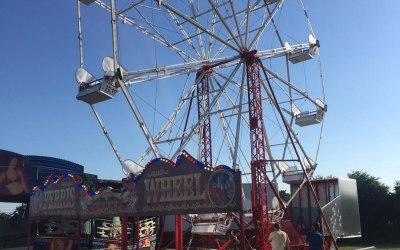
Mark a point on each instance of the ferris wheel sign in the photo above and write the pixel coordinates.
(187, 187)
(164, 187)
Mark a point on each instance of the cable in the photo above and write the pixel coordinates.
(323, 98)
(156, 59)
(308, 19)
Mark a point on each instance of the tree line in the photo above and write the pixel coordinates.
(379, 208)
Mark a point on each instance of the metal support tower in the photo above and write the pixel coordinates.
(203, 107)
(259, 194)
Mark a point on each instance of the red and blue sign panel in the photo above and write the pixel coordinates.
(163, 188)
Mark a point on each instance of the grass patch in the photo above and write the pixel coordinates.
(391, 247)
(391, 243)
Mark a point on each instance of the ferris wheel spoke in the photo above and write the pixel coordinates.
(246, 37)
(239, 86)
(270, 155)
(246, 160)
(198, 31)
(264, 16)
(308, 19)
(210, 43)
(182, 30)
(205, 12)
(265, 24)
(237, 32)
(236, 21)
(222, 19)
(140, 120)
(232, 103)
(253, 8)
(106, 134)
(268, 97)
(157, 37)
(276, 28)
(292, 86)
(239, 117)
(177, 69)
(159, 33)
(279, 52)
(223, 124)
(133, 5)
(171, 119)
(224, 127)
(203, 116)
(286, 143)
(246, 20)
(155, 76)
(197, 24)
(280, 87)
(291, 133)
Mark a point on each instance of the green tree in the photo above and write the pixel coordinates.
(285, 196)
(397, 188)
(19, 212)
(394, 208)
(373, 198)
(4, 216)
(319, 177)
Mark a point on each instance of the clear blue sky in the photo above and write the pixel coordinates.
(40, 115)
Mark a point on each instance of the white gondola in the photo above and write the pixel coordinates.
(307, 118)
(292, 175)
(300, 56)
(304, 54)
(210, 224)
(92, 90)
(283, 167)
(309, 164)
(87, 2)
(131, 167)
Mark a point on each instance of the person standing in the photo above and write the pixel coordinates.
(314, 238)
(278, 239)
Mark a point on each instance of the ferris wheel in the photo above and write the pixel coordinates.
(237, 82)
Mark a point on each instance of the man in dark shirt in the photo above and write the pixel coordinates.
(314, 238)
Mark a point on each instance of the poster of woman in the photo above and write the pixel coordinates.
(60, 244)
(12, 177)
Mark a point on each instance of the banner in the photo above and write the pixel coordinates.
(166, 188)
(56, 199)
(163, 188)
